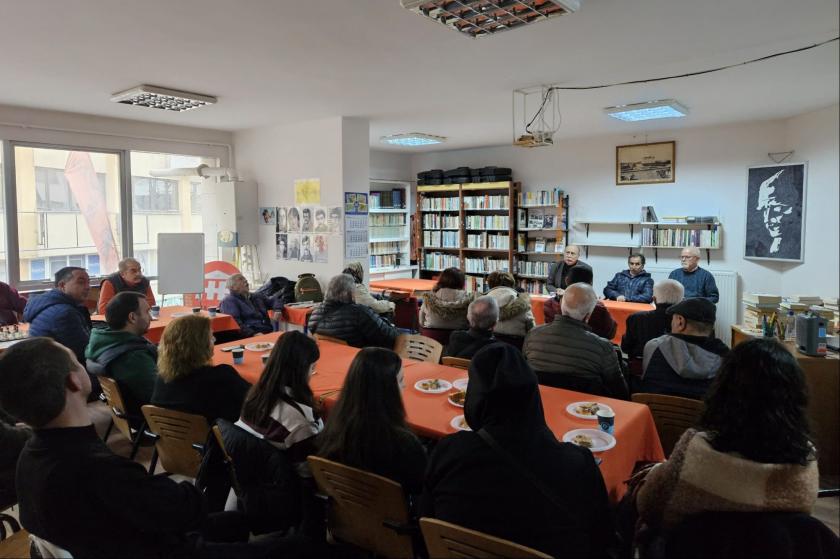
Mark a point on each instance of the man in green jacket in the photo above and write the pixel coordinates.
(121, 352)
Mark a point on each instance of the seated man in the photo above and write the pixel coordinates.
(567, 354)
(362, 295)
(129, 277)
(11, 304)
(558, 273)
(601, 321)
(339, 317)
(646, 325)
(633, 284)
(60, 313)
(684, 362)
(250, 310)
(696, 281)
(482, 314)
(121, 352)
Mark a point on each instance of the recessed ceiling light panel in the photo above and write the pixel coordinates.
(162, 98)
(651, 110)
(412, 139)
(482, 18)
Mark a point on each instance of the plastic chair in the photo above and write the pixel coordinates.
(365, 510)
(440, 335)
(450, 540)
(457, 362)
(672, 415)
(119, 417)
(323, 338)
(179, 439)
(419, 348)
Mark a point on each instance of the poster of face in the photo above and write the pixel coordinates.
(281, 220)
(293, 251)
(321, 220)
(282, 246)
(306, 248)
(293, 220)
(775, 226)
(321, 248)
(334, 221)
(306, 219)
(268, 216)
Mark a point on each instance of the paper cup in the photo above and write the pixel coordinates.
(238, 356)
(606, 420)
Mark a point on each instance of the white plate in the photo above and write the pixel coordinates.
(456, 423)
(451, 401)
(571, 409)
(445, 386)
(461, 383)
(259, 346)
(601, 441)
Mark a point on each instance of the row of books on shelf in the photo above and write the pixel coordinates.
(488, 202)
(440, 261)
(386, 260)
(540, 244)
(488, 240)
(386, 232)
(532, 286)
(390, 247)
(487, 222)
(434, 203)
(387, 199)
(474, 284)
(377, 220)
(681, 237)
(441, 221)
(541, 197)
(535, 219)
(485, 265)
(441, 239)
(533, 268)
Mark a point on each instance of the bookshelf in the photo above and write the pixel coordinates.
(681, 234)
(467, 226)
(389, 230)
(542, 231)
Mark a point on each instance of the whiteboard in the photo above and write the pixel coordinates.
(180, 263)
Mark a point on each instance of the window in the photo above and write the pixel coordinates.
(154, 194)
(3, 274)
(53, 192)
(37, 271)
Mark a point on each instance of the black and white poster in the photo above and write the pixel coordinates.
(775, 227)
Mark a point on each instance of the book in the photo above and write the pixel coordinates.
(762, 298)
(535, 221)
(539, 246)
(559, 248)
(549, 221)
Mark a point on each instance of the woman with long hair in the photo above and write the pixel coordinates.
(279, 408)
(751, 452)
(188, 381)
(445, 307)
(367, 428)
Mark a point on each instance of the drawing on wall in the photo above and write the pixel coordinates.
(645, 163)
(775, 226)
(293, 251)
(335, 219)
(305, 220)
(282, 246)
(293, 220)
(321, 220)
(268, 216)
(307, 191)
(281, 220)
(306, 248)
(320, 248)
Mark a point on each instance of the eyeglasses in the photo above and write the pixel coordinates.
(687, 257)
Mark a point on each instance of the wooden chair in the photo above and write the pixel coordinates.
(365, 510)
(419, 348)
(119, 417)
(16, 545)
(323, 338)
(226, 458)
(179, 439)
(672, 415)
(449, 540)
(457, 362)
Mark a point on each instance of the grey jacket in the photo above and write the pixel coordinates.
(515, 315)
(566, 354)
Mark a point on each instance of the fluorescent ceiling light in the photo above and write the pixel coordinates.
(162, 98)
(667, 108)
(482, 18)
(412, 139)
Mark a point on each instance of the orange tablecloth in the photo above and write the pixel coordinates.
(406, 285)
(219, 323)
(297, 315)
(618, 310)
(430, 414)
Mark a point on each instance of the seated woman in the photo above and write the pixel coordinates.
(11, 304)
(515, 316)
(188, 381)
(339, 317)
(751, 451)
(367, 428)
(445, 307)
(601, 321)
(279, 408)
(510, 477)
(361, 295)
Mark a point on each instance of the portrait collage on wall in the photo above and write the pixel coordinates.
(303, 232)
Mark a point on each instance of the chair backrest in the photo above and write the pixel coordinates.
(366, 510)
(323, 338)
(181, 438)
(440, 335)
(672, 415)
(419, 348)
(115, 401)
(405, 312)
(457, 362)
(234, 481)
(449, 540)
(48, 550)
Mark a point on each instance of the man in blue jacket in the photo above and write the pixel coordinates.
(633, 284)
(60, 313)
(250, 310)
(697, 281)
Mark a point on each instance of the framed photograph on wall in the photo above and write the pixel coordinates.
(645, 163)
(775, 224)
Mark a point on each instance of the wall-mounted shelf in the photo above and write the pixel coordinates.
(668, 235)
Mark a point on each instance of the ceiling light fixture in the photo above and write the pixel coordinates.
(412, 139)
(482, 18)
(162, 98)
(667, 108)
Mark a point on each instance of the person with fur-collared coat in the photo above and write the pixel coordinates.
(445, 307)
(515, 315)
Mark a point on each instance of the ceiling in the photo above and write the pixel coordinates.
(282, 61)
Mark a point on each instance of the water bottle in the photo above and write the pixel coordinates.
(790, 326)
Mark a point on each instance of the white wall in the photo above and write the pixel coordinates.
(389, 165)
(711, 173)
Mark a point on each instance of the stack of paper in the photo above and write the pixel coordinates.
(831, 304)
(759, 305)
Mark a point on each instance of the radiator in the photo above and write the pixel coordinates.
(727, 307)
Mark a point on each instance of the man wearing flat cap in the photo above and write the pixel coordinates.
(684, 362)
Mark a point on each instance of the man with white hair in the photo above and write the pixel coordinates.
(644, 326)
(696, 281)
(482, 314)
(566, 354)
(250, 310)
(128, 277)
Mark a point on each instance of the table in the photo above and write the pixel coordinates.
(619, 310)
(429, 415)
(404, 285)
(298, 315)
(219, 323)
